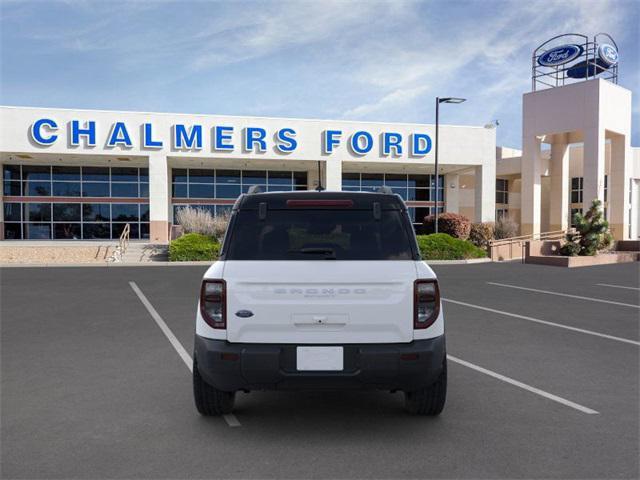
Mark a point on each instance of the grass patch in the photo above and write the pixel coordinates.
(193, 247)
(440, 246)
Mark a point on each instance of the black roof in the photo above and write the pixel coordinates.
(361, 200)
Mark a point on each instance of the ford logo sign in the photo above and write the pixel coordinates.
(608, 54)
(244, 313)
(560, 55)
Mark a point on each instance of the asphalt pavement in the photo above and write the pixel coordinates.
(543, 383)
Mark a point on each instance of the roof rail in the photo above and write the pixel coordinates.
(385, 190)
(254, 189)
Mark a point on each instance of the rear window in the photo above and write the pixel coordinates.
(301, 234)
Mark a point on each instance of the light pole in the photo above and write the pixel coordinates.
(438, 102)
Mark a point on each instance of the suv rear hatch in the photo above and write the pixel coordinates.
(320, 271)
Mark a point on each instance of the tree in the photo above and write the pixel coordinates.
(591, 235)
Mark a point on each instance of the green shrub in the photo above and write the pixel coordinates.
(193, 247)
(591, 235)
(481, 234)
(453, 224)
(440, 246)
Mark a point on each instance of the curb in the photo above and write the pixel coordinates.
(102, 265)
(457, 262)
(190, 264)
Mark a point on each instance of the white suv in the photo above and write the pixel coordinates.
(319, 290)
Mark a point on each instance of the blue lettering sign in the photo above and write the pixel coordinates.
(560, 55)
(255, 136)
(89, 131)
(330, 139)
(391, 140)
(36, 131)
(186, 139)
(608, 54)
(357, 146)
(286, 141)
(221, 137)
(119, 136)
(147, 138)
(421, 144)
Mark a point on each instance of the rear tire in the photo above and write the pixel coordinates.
(429, 400)
(209, 400)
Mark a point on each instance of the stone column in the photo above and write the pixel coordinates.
(559, 196)
(485, 192)
(618, 188)
(333, 175)
(159, 198)
(451, 194)
(531, 186)
(593, 167)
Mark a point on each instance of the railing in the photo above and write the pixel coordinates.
(123, 244)
(514, 247)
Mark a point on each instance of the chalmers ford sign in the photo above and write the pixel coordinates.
(223, 138)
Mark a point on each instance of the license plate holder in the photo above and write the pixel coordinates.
(320, 359)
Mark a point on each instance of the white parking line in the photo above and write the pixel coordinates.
(524, 386)
(617, 286)
(230, 418)
(544, 322)
(600, 300)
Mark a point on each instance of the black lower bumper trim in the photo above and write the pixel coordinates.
(252, 366)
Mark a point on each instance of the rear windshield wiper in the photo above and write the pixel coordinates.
(330, 253)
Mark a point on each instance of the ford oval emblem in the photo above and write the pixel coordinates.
(608, 54)
(244, 313)
(560, 55)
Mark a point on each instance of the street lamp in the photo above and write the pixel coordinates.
(438, 102)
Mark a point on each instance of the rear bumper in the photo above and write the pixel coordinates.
(253, 366)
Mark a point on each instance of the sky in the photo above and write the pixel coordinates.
(344, 60)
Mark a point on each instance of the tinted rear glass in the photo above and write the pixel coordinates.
(320, 235)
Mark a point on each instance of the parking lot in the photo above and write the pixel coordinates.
(543, 383)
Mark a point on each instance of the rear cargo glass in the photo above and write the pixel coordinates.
(320, 235)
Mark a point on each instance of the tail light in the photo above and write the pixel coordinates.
(213, 303)
(426, 303)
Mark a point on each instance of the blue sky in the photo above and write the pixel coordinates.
(368, 60)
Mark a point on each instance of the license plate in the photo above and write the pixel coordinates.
(320, 358)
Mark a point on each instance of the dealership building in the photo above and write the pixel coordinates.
(85, 174)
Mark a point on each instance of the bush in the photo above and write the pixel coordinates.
(482, 233)
(591, 235)
(196, 220)
(193, 247)
(505, 228)
(440, 246)
(458, 226)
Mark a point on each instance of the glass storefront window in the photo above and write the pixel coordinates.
(68, 231)
(66, 189)
(95, 174)
(124, 212)
(12, 189)
(227, 191)
(124, 174)
(66, 173)
(197, 190)
(96, 212)
(37, 212)
(124, 190)
(36, 172)
(11, 172)
(37, 231)
(12, 212)
(96, 231)
(90, 189)
(66, 212)
(226, 176)
(37, 189)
